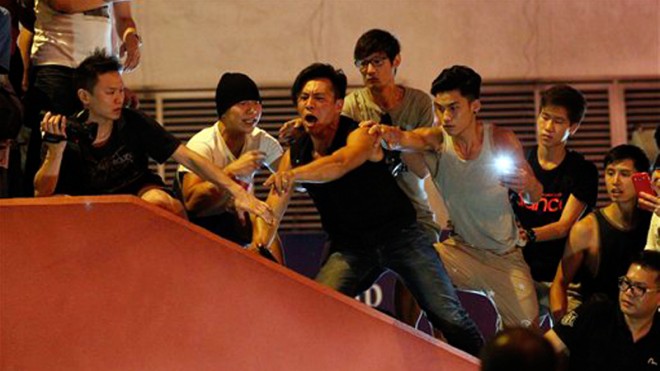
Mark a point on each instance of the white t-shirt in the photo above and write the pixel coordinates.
(209, 144)
(67, 39)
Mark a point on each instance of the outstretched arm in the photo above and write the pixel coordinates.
(263, 233)
(360, 147)
(243, 201)
(421, 139)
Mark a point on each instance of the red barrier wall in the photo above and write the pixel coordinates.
(112, 283)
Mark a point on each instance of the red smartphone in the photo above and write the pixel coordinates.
(642, 183)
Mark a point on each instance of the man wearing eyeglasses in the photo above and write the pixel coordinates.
(601, 245)
(601, 335)
(377, 56)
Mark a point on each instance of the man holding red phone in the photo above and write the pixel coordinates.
(604, 243)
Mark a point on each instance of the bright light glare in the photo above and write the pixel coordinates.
(504, 164)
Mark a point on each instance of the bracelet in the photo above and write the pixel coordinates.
(129, 31)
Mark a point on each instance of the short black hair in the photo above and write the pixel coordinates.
(86, 75)
(628, 152)
(320, 71)
(375, 41)
(571, 99)
(518, 348)
(461, 78)
(649, 260)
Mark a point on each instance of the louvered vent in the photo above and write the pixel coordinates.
(642, 106)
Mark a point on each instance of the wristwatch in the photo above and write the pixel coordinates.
(531, 236)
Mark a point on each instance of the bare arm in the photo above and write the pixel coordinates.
(556, 342)
(575, 253)
(243, 201)
(45, 181)
(559, 229)
(262, 233)
(360, 147)
(200, 195)
(127, 32)
(421, 139)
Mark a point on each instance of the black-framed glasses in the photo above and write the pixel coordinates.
(375, 61)
(636, 289)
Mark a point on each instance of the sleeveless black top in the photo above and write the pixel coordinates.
(617, 249)
(365, 204)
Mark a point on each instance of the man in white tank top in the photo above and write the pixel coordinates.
(475, 165)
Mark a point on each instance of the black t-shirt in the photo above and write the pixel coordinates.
(365, 204)
(121, 165)
(574, 176)
(598, 338)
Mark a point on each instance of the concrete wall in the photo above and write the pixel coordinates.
(188, 44)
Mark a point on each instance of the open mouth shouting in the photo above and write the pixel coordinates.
(310, 119)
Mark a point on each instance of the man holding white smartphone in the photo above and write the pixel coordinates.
(483, 253)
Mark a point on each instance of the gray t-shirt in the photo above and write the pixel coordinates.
(416, 110)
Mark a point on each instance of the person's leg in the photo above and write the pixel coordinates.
(347, 270)
(506, 278)
(413, 257)
(164, 200)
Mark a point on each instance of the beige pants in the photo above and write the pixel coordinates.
(506, 278)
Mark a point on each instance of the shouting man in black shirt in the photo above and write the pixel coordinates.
(371, 223)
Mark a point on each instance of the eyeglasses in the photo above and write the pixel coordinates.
(636, 289)
(375, 61)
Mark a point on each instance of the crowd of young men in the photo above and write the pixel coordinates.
(519, 220)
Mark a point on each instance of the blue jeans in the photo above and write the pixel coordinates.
(352, 267)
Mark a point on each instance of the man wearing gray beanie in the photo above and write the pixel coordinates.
(235, 144)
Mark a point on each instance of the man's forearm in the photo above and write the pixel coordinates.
(206, 170)
(45, 181)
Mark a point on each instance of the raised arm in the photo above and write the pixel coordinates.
(421, 139)
(45, 181)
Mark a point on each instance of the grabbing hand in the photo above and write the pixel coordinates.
(245, 202)
(281, 181)
(247, 164)
(649, 202)
(391, 135)
(288, 130)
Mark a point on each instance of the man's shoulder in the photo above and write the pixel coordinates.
(578, 161)
(205, 135)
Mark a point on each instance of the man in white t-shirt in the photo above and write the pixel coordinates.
(235, 144)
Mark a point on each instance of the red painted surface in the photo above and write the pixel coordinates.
(111, 283)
